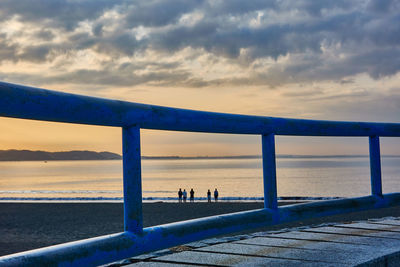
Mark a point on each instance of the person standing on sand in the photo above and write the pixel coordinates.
(180, 195)
(191, 195)
(184, 193)
(209, 196)
(216, 195)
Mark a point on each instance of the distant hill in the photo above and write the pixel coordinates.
(28, 155)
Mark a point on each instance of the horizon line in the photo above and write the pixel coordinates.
(217, 157)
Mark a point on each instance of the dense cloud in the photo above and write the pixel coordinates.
(157, 13)
(272, 42)
(7, 50)
(54, 13)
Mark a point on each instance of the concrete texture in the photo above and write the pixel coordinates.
(367, 243)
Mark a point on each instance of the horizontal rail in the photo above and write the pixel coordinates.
(109, 248)
(39, 104)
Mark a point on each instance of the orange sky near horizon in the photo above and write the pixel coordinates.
(50, 136)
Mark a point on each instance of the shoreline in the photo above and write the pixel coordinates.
(26, 226)
(149, 201)
(155, 199)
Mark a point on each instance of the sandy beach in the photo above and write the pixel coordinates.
(25, 226)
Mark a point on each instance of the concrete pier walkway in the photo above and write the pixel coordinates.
(368, 243)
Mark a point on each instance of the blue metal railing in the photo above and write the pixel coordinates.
(38, 104)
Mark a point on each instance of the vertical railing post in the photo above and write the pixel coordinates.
(375, 166)
(132, 180)
(269, 171)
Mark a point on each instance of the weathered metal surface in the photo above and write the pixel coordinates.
(375, 165)
(31, 103)
(269, 171)
(132, 178)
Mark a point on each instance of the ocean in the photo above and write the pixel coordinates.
(237, 179)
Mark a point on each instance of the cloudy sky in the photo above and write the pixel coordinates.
(335, 60)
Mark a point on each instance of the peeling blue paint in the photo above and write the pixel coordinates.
(18, 101)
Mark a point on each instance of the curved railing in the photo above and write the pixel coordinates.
(18, 101)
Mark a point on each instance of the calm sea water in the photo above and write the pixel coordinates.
(236, 179)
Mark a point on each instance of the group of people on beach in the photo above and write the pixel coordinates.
(182, 195)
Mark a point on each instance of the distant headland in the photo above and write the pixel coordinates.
(29, 155)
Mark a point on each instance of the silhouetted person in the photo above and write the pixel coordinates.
(216, 195)
(180, 195)
(191, 195)
(209, 196)
(184, 193)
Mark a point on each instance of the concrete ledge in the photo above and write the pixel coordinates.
(390, 260)
(366, 243)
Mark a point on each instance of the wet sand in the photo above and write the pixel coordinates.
(25, 226)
